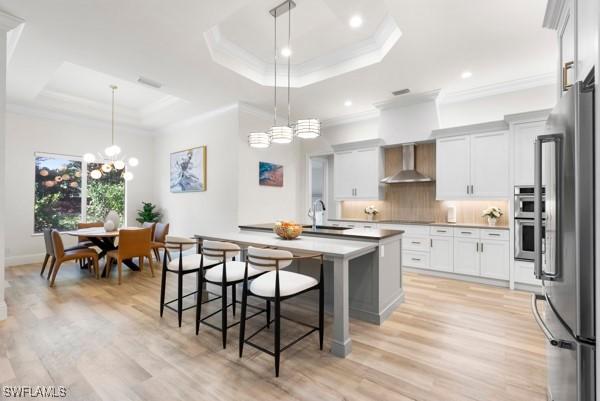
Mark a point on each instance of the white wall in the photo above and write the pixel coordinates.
(493, 108)
(263, 204)
(28, 134)
(233, 195)
(216, 208)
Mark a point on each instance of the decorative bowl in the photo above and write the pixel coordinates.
(287, 229)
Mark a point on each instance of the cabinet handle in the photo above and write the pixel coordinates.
(565, 76)
(472, 189)
(482, 247)
(416, 242)
(466, 232)
(477, 247)
(467, 190)
(416, 259)
(494, 234)
(431, 242)
(440, 231)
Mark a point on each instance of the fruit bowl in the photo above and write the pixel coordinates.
(287, 229)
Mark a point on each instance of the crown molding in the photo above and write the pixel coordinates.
(554, 9)
(358, 55)
(9, 21)
(40, 111)
(408, 99)
(490, 126)
(350, 118)
(498, 88)
(367, 143)
(528, 116)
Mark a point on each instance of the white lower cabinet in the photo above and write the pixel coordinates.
(441, 253)
(494, 258)
(466, 256)
(416, 259)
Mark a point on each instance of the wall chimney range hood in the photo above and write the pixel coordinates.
(408, 172)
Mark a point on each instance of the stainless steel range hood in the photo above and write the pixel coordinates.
(408, 172)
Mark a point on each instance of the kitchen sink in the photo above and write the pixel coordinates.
(328, 227)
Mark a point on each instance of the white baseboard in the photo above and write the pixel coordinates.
(456, 276)
(24, 259)
(3, 310)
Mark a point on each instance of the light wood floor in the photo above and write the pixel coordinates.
(450, 341)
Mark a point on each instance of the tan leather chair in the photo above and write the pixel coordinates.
(76, 254)
(160, 237)
(152, 225)
(133, 243)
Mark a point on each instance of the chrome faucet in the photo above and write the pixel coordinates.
(312, 213)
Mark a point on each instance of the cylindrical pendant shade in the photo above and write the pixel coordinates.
(259, 140)
(281, 134)
(308, 129)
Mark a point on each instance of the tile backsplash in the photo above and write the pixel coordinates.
(416, 201)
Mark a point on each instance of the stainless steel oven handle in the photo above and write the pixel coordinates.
(540, 322)
(538, 238)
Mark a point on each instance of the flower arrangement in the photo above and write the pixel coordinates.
(492, 213)
(371, 211)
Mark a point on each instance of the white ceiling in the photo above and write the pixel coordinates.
(498, 40)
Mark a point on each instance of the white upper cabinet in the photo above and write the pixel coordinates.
(452, 168)
(357, 172)
(524, 139)
(343, 182)
(489, 165)
(473, 166)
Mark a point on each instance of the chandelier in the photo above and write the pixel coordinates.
(283, 134)
(112, 160)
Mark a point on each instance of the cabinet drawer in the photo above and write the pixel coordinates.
(415, 243)
(415, 259)
(524, 273)
(466, 232)
(410, 230)
(494, 234)
(441, 231)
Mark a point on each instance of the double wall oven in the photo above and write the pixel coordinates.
(524, 222)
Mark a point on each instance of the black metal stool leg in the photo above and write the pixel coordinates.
(163, 284)
(268, 313)
(198, 301)
(277, 336)
(224, 315)
(243, 317)
(179, 297)
(233, 297)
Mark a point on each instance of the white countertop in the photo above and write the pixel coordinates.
(307, 244)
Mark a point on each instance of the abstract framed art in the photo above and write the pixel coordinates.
(270, 174)
(188, 170)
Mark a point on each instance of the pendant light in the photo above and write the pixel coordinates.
(284, 134)
(112, 152)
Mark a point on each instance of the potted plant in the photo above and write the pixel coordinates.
(148, 213)
(371, 212)
(492, 213)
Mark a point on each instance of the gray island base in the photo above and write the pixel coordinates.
(363, 274)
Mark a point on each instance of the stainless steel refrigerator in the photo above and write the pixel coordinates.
(564, 259)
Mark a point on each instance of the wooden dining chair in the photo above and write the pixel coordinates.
(49, 252)
(159, 240)
(152, 226)
(85, 241)
(61, 255)
(133, 243)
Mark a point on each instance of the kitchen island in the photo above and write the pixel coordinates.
(363, 276)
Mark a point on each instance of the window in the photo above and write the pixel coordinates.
(64, 197)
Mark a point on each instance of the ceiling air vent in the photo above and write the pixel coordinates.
(401, 92)
(149, 82)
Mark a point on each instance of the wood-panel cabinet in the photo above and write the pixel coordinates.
(473, 166)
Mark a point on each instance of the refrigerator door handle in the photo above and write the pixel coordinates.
(539, 243)
(540, 322)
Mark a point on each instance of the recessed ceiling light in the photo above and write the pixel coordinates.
(466, 74)
(348, 103)
(286, 52)
(356, 21)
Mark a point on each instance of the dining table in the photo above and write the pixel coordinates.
(105, 241)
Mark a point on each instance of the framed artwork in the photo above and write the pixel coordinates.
(188, 170)
(270, 174)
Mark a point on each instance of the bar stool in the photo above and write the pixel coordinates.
(185, 264)
(277, 286)
(221, 268)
